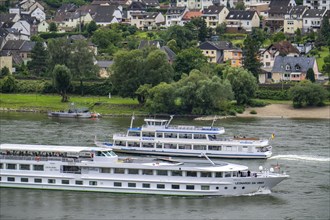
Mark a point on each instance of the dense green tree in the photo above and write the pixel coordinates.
(323, 36)
(307, 93)
(39, 56)
(243, 84)
(8, 84)
(52, 27)
(221, 29)
(297, 36)
(198, 25)
(59, 51)
(326, 65)
(250, 53)
(143, 92)
(279, 36)
(184, 37)
(107, 39)
(187, 60)
(4, 72)
(91, 27)
(173, 46)
(62, 80)
(240, 6)
(161, 99)
(310, 75)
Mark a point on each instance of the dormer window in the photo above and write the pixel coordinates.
(297, 67)
(287, 67)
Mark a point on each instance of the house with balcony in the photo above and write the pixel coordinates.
(215, 15)
(294, 19)
(312, 19)
(237, 20)
(174, 16)
(214, 50)
(147, 20)
(277, 10)
(293, 68)
(235, 57)
(317, 4)
(20, 50)
(194, 4)
(190, 15)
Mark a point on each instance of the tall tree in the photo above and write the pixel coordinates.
(310, 75)
(81, 62)
(52, 27)
(91, 27)
(326, 65)
(188, 60)
(4, 72)
(59, 51)
(243, 83)
(184, 37)
(161, 99)
(62, 80)
(39, 57)
(250, 54)
(198, 25)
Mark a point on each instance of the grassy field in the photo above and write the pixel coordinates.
(44, 103)
(320, 59)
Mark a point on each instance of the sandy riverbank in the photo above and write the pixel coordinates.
(287, 111)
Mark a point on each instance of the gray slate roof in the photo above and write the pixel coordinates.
(213, 9)
(240, 15)
(169, 53)
(216, 45)
(314, 13)
(175, 10)
(104, 63)
(303, 63)
(104, 13)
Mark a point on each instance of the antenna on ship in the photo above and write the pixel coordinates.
(169, 121)
(204, 154)
(132, 119)
(214, 119)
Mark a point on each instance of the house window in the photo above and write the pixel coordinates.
(287, 67)
(267, 63)
(247, 23)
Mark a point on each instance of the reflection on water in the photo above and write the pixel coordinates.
(301, 148)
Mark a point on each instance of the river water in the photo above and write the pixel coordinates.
(301, 148)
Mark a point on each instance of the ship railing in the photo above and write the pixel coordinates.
(43, 158)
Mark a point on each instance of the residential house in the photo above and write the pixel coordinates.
(294, 19)
(194, 4)
(136, 8)
(20, 50)
(214, 50)
(108, 15)
(312, 19)
(235, 56)
(8, 18)
(22, 26)
(293, 68)
(7, 34)
(262, 8)
(190, 15)
(147, 20)
(277, 10)
(174, 16)
(6, 60)
(304, 48)
(78, 37)
(283, 48)
(150, 43)
(317, 4)
(237, 20)
(28, 6)
(215, 15)
(43, 26)
(151, 3)
(104, 66)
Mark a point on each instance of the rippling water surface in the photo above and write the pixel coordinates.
(300, 147)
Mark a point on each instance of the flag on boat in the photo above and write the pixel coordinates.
(273, 135)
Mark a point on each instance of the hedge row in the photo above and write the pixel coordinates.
(273, 94)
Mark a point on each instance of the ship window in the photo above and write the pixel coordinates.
(148, 145)
(160, 135)
(92, 183)
(215, 148)
(65, 182)
(234, 174)
(185, 147)
(11, 179)
(190, 187)
(131, 184)
(199, 147)
(227, 174)
(170, 135)
(226, 187)
(162, 172)
(158, 145)
(119, 170)
(105, 170)
(38, 167)
(176, 173)
(51, 180)
(24, 166)
(145, 185)
(11, 166)
(206, 174)
(205, 187)
(147, 172)
(234, 187)
(79, 182)
(149, 134)
(243, 187)
(175, 186)
(160, 186)
(24, 180)
(1, 165)
(37, 180)
(133, 171)
(118, 184)
(191, 173)
(199, 136)
(71, 169)
(218, 174)
(186, 136)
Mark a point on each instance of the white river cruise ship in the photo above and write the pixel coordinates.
(99, 169)
(158, 137)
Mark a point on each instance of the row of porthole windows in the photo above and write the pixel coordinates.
(115, 184)
(12, 166)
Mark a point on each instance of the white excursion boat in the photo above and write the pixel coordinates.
(158, 137)
(100, 170)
